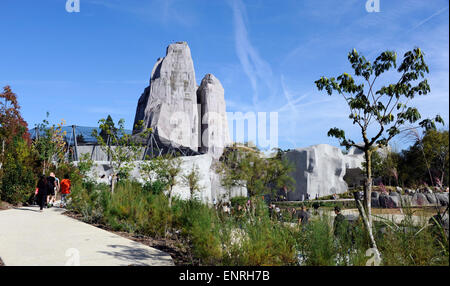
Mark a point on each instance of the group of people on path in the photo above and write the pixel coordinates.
(48, 188)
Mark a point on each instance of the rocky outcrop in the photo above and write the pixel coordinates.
(214, 125)
(319, 171)
(169, 104)
(182, 114)
(354, 158)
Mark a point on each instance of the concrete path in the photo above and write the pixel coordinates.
(31, 238)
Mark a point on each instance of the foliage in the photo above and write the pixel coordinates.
(192, 180)
(16, 160)
(85, 164)
(387, 107)
(213, 238)
(121, 149)
(105, 132)
(427, 160)
(247, 166)
(49, 146)
(164, 169)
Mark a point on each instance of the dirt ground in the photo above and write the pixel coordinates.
(174, 247)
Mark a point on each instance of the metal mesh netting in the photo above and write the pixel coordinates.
(83, 134)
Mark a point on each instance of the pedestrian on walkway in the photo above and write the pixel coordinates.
(57, 188)
(65, 190)
(51, 189)
(42, 187)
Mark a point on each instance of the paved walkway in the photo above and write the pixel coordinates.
(29, 237)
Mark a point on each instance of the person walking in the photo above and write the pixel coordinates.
(42, 187)
(304, 216)
(339, 224)
(51, 189)
(65, 190)
(57, 188)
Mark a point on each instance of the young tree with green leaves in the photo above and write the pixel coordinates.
(121, 149)
(382, 114)
(49, 144)
(192, 180)
(166, 168)
(248, 167)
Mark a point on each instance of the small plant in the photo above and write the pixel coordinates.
(192, 180)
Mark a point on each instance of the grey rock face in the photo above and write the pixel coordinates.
(375, 199)
(406, 200)
(375, 203)
(319, 171)
(214, 126)
(389, 202)
(431, 199)
(419, 200)
(443, 198)
(396, 201)
(395, 194)
(354, 158)
(169, 103)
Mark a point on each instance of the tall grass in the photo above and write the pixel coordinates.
(215, 238)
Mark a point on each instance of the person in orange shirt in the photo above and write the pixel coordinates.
(65, 190)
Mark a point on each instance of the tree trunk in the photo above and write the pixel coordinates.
(170, 197)
(113, 179)
(368, 187)
(426, 163)
(365, 208)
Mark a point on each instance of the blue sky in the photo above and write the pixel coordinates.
(267, 54)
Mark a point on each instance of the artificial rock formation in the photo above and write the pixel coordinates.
(169, 104)
(180, 113)
(319, 171)
(214, 125)
(211, 189)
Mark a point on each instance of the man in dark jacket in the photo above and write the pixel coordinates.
(340, 223)
(51, 189)
(42, 187)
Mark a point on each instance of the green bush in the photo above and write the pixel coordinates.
(247, 239)
(17, 182)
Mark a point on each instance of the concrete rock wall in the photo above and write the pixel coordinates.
(211, 188)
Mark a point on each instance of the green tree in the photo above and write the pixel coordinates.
(16, 161)
(382, 113)
(122, 151)
(427, 160)
(165, 169)
(105, 132)
(435, 147)
(192, 180)
(49, 145)
(248, 167)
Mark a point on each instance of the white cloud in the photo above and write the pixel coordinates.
(256, 69)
